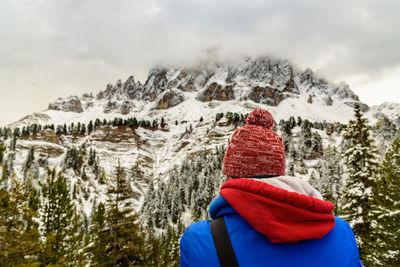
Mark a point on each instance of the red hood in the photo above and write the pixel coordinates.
(280, 215)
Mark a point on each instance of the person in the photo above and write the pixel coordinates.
(271, 219)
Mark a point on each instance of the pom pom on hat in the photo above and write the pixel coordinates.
(255, 149)
(260, 117)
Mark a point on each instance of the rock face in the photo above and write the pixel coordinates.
(72, 104)
(266, 95)
(327, 92)
(170, 99)
(217, 92)
(48, 136)
(261, 80)
(155, 84)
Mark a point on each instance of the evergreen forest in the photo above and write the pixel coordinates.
(355, 165)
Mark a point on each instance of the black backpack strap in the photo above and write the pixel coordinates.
(222, 242)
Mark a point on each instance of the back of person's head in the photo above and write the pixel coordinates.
(255, 149)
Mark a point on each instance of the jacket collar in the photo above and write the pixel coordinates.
(280, 215)
(220, 207)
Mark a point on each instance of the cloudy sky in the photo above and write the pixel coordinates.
(51, 49)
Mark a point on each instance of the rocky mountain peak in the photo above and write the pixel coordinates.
(72, 103)
(261, 80)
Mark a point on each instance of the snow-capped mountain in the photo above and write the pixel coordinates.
(249, 83)
(389, 110)
(187, 99)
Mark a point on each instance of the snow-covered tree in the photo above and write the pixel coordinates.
(313, 180)
(176, 208)
(360, 202)
(331, 172)
(291, 156)
(389, 220)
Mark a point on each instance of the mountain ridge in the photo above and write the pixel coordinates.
(255, 82)
(261, 80)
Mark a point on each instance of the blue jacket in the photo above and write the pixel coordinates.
(337, 248)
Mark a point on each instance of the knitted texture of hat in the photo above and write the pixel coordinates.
(255, 149)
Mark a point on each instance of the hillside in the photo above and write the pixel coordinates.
(167, 137)
(187, 101)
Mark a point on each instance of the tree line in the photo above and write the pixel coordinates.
(79, 127)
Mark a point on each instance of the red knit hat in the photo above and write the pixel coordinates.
(255, 149)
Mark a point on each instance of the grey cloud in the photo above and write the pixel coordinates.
(70, 40)
(360, 36)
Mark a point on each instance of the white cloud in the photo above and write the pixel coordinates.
(376, 90)
(66, 47)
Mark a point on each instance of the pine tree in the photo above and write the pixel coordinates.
(19, 234)
(8, 167)
(229, 116)
(148, 207)
(331, 175)
(2, 151)
(299, 121)
(97, 124)
(92, 157)
(154, 246)
(13, 143)
(176, 207)
(169, 248)
(158, 213)
(29, 160)
(17, 132)
(360, 202)
(291, 158)
(83, 129)
(389, 220)
(209, 190)
(154, 124)
(236, 118)
(314, 181)
(99, 237)
(84, 175)
(62, 227)
(286, 127)
(126, 243)
(218, 116)
(316, 145)
(163, 124)
(90, 127)
(4, 173)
